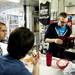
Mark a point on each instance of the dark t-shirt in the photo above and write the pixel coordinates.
(51, 32)
(10, 66)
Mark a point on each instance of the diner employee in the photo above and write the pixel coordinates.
(55, 33)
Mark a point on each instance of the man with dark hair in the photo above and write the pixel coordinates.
(3, 45)
(63, 14)
(55, 33)
(20, 41)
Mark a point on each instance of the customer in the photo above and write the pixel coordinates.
(56, 34)
(20, 41)
(3, 31)
(3, 45)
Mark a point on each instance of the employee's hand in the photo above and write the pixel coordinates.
(58, 41)
(72, 35)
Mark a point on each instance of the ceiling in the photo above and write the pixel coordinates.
(5, 4)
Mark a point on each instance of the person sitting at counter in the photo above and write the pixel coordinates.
(20, 41)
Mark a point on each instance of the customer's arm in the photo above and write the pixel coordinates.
(36, 64)
(35, 69)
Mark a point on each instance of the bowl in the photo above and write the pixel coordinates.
(62, 63)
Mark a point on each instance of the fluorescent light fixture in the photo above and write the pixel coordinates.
(15, 1)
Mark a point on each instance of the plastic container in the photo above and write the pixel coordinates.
(62, 63)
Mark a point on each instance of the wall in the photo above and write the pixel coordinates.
(13, 12)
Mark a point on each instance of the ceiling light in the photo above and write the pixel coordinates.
(16, 1)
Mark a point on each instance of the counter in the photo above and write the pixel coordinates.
(53, 69)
